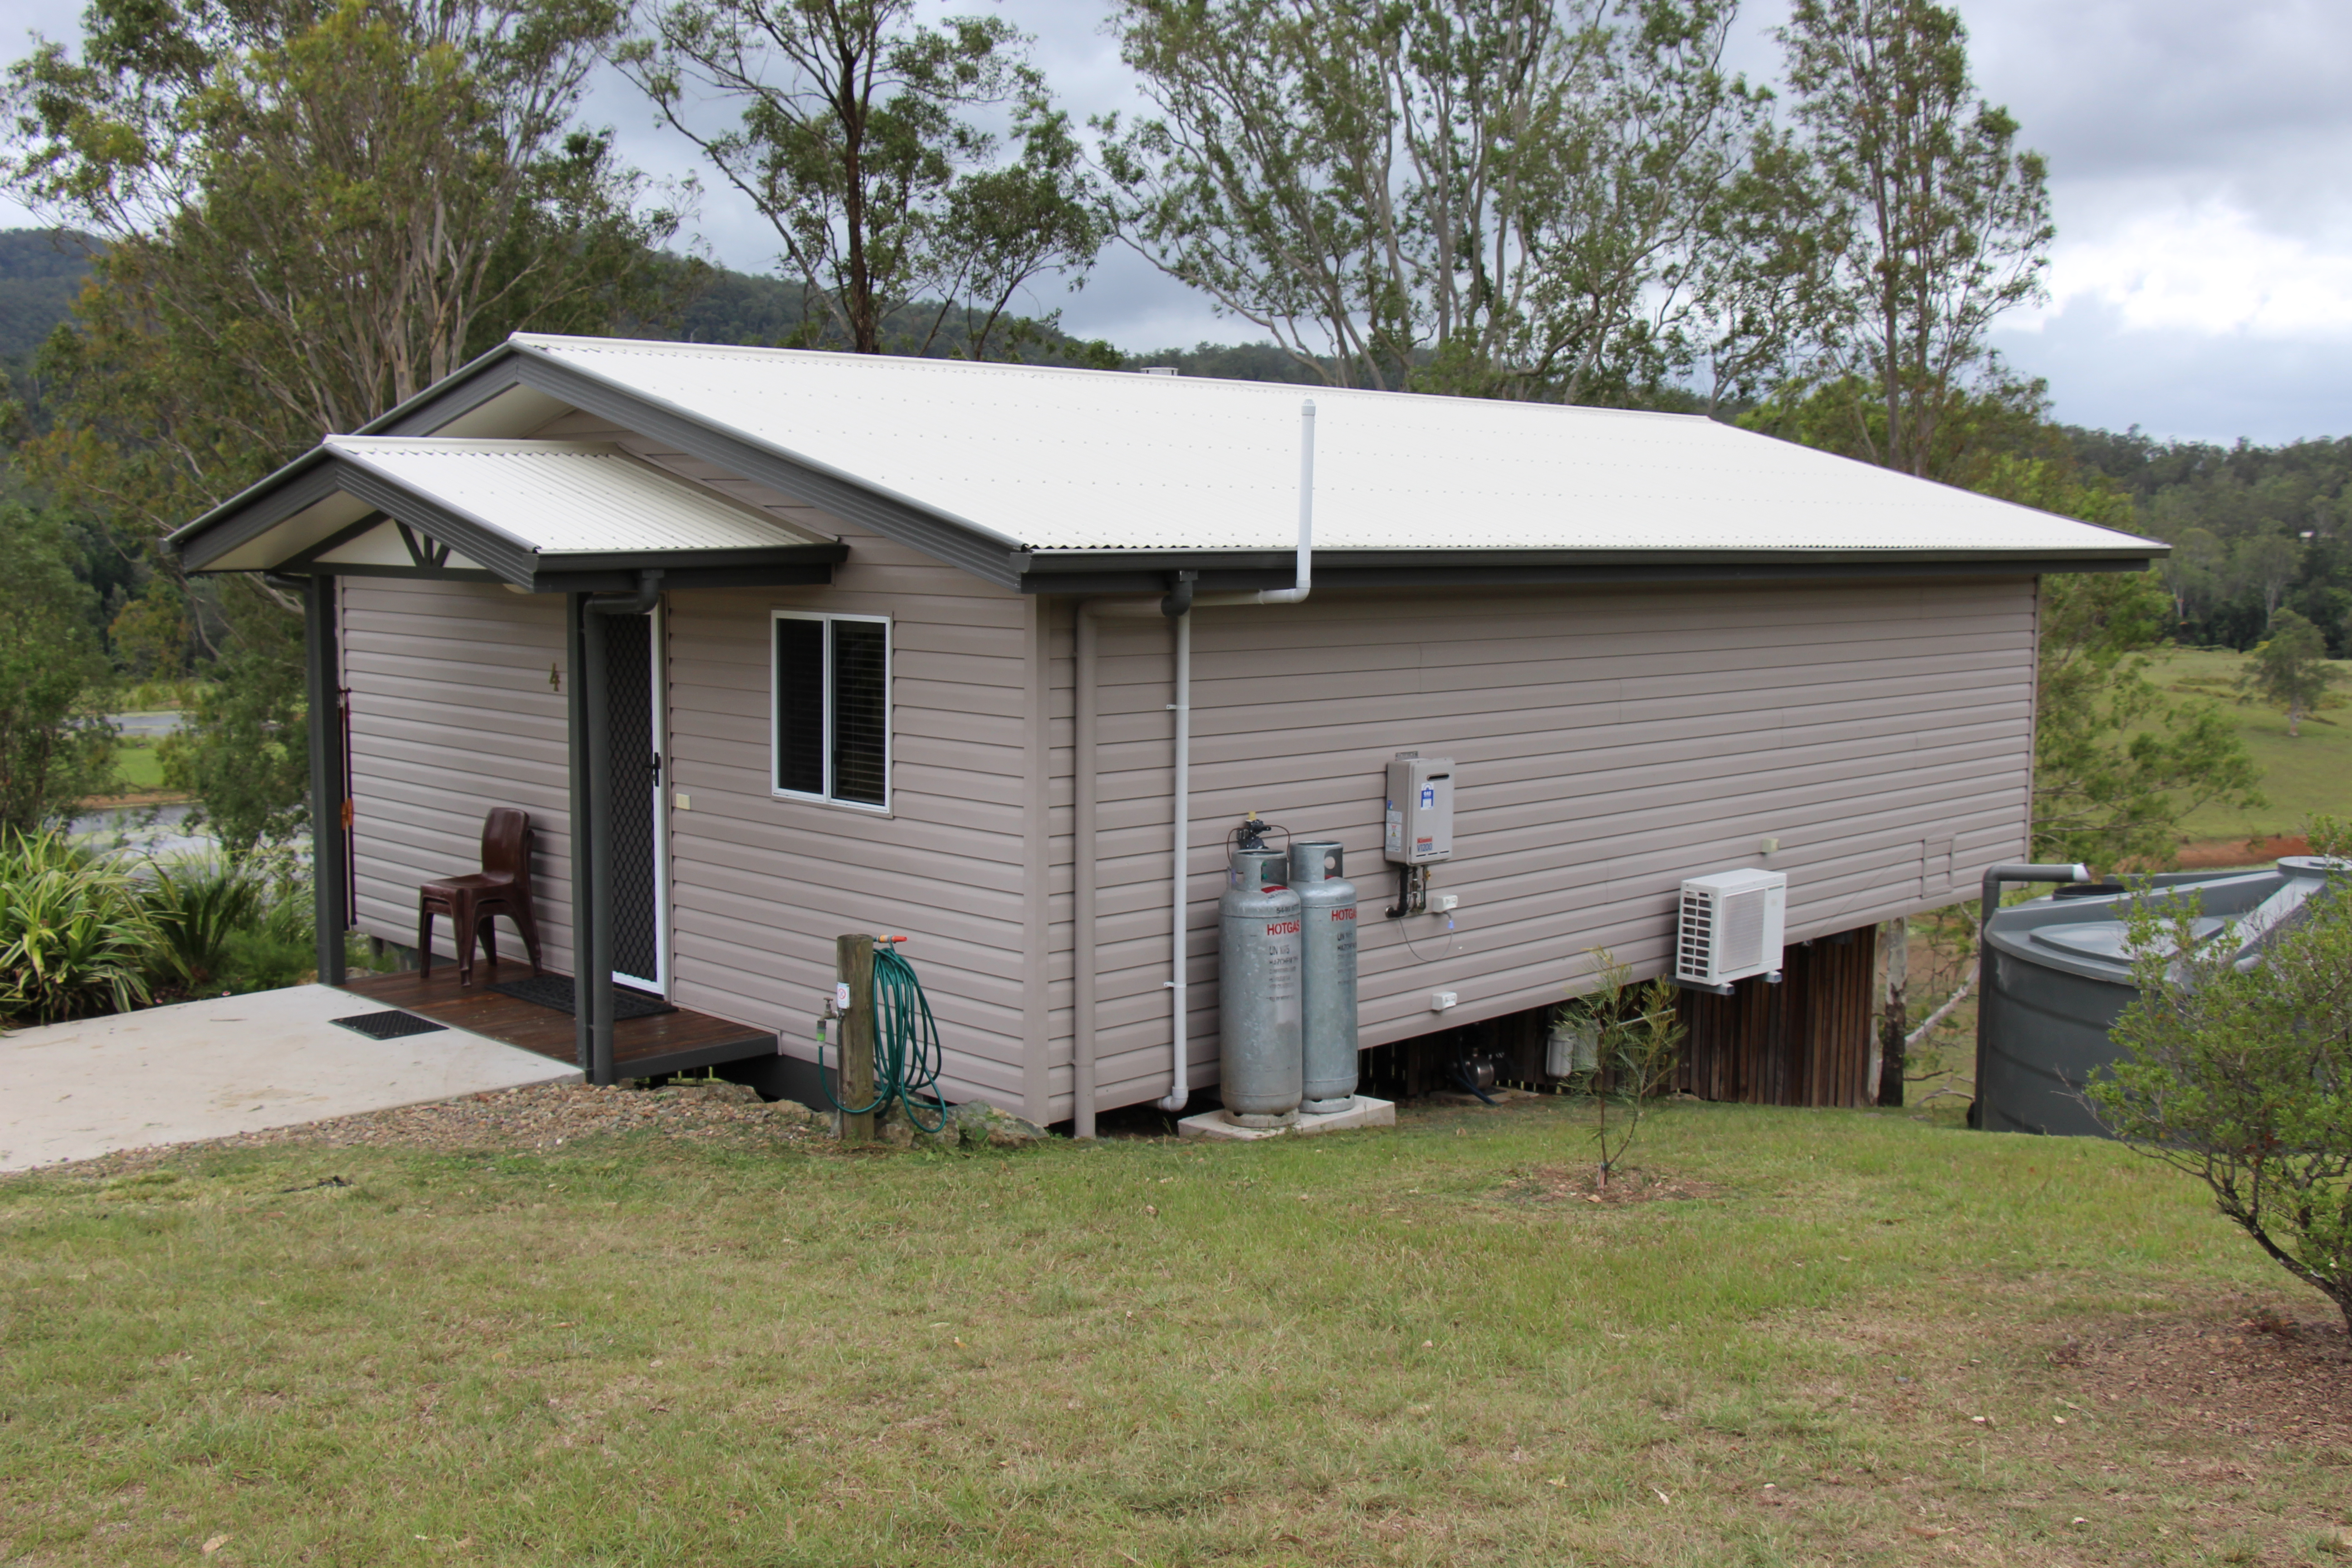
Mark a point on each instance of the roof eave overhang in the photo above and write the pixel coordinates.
(501, 557)
(1137, 572)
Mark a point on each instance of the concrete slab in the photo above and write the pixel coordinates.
(238, 1064)
(1366, 1112)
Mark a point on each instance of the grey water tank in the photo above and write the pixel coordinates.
(2060, 976)
(1259, 960)
(1327, 910)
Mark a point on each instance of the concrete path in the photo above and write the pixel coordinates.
(240, 1064)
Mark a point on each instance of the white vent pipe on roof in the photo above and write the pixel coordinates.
(1178, 607)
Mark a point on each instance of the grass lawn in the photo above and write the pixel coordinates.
(1416, 1346)
(2311, 773)
(136, 765)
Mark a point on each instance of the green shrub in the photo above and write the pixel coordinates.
(197, 907)
(277, 950)
(2238, 1070)
(231, 927)
(76, 937)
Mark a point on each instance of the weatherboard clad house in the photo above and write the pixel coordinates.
(831, 643)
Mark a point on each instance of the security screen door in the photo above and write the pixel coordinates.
(640, 886)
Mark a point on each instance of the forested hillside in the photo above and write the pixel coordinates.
(40, 271)
(2254, 528)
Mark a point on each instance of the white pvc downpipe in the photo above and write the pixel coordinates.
(1180, 1091)
(1179, 896)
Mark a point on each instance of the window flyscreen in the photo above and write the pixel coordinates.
(833, 708)
(861, 715)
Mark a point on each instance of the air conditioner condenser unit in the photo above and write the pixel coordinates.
(1731, 926)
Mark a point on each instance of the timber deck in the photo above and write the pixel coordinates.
(642, 1047)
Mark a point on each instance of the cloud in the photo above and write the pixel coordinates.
(2208, 268)
(2107, 372)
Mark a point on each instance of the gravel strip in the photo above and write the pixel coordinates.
(536, 1119)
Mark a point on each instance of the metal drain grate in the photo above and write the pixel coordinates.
(393, 1025)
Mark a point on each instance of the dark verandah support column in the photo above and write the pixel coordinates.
(591, 987)
(329, 788)
(575, 693)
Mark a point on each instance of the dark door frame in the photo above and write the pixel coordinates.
(591, 786)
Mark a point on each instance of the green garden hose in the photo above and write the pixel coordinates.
(907, 1058)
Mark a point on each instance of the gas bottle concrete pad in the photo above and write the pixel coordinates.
(1366, 1112)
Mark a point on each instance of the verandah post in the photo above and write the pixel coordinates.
(329, 788)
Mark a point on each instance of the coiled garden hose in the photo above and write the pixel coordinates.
(907, 1056)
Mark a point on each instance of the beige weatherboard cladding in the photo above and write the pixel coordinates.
(1608, 744)
(457, 705)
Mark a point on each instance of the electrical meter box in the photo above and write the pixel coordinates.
(1421, 810)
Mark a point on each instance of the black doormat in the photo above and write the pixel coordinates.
(393, 1025)
(555, 991)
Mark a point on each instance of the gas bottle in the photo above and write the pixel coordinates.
(1259, 964)
(1327, 1029)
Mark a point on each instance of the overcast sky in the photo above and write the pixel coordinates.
(2202, 176)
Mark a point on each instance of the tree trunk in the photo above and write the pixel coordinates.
(1894, 1017)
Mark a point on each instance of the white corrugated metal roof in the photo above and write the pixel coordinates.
(568, 497)
(1082, 460)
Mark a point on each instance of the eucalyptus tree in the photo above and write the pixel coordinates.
(861, 136)
(1509, 198)
(1929, 220)
(2289, 669)
(306, 216)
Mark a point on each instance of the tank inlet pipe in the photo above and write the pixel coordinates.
(1177, 606)
(1988, 901)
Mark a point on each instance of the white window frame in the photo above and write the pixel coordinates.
(889, 713)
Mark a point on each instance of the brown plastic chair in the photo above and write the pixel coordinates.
(503, 887)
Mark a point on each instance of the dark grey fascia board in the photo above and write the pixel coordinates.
(1091, 562)
(812, 574)
(255, 510)
(553, 563)
(817, 575)
(894, 518)
(418, 573)
(1436, 574)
